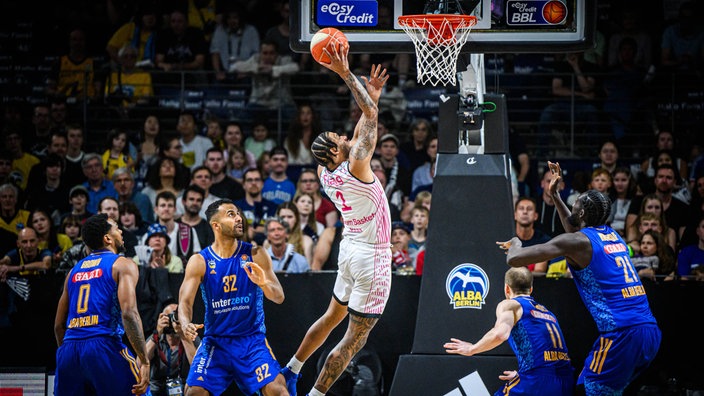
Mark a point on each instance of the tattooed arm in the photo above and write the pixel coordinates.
(126, 275)
(365, 100)
(365, 132)
(367, 96)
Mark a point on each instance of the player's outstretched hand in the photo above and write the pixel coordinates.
(504, 246)
(556, 174)
(338, 58)
(514, 242)
(140, 387)
(190, 331)
(375, 83)
(458, 347)
(508, 375)
(255, 273)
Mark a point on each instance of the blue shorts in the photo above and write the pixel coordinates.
(549, 382)
(99, 365)
(248, 360)
(617, 358)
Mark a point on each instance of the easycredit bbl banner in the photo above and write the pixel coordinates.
(535, 12)
(346, 13)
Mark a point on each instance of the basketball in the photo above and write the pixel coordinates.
(554, 12)
(323, 39)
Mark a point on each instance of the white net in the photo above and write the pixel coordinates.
(438, 41)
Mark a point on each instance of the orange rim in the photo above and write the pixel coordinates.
(437, 20)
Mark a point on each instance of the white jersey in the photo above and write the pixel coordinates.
(364, 206)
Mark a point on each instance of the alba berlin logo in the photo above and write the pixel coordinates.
(471, 161)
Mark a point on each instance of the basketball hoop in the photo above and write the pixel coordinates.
(438, 39)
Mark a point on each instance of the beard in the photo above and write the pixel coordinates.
(574, 220)
(236, 231)
(345, 151)
(121, 248)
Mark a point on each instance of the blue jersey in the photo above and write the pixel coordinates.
(278, 192)
(256, 214)
(537, 339)
(234, 305)
(93, 307)
(609, 285)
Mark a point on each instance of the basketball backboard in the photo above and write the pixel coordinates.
(517, 26)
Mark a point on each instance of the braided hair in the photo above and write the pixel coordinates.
(321, 148)
(597, 207)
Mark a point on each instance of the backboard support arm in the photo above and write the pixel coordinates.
(470, 117)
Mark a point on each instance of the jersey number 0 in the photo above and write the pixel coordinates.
(83, 295)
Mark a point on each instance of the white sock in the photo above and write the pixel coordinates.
(295, 365)
(315, 392)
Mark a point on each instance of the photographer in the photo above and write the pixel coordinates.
(170, 354)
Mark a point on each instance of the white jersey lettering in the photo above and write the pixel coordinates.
(364, 206)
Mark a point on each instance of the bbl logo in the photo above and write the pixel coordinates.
(211, 265)
(244, 259)
(467, 285)
(536, 12)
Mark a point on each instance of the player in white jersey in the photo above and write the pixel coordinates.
(364, 275)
